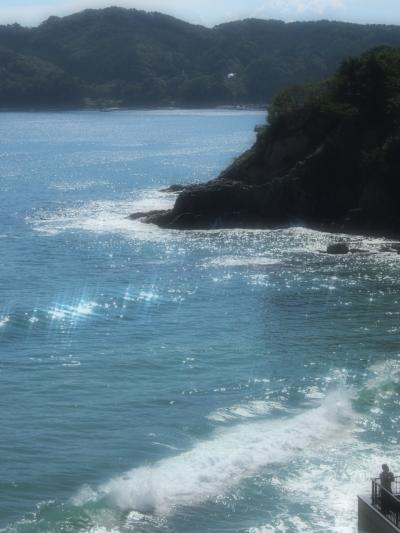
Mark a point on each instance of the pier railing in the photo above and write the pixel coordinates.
(386, 502)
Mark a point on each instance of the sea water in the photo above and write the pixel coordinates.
(169, 381)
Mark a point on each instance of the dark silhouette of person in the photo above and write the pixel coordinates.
(386, 478)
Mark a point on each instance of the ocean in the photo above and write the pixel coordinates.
(169, 381)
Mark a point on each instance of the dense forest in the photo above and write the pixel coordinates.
(121, 57)
(329, 158)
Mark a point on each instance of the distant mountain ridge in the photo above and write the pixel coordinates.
(117, 56)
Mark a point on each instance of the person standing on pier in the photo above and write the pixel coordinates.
(386, 478)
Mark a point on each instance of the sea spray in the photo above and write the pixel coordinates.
(105, 216)
(215, 466)
(382, 387)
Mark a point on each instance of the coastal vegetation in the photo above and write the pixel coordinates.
(120, 57)
(329, 158)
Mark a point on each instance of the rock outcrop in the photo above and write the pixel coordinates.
(337, 248)
(329, 159)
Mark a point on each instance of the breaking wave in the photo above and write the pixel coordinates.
(215, 466)
(106, 216)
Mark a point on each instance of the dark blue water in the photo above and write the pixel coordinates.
(162, 381)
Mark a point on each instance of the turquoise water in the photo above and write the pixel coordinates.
(161, 381)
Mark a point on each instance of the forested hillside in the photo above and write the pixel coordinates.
(116, 56)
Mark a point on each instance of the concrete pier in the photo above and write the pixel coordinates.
(370, 520)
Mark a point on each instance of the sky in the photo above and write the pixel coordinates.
(211, 12)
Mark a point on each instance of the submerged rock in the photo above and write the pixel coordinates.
(360, 251)
(174, 188)
(390, 247)
(143, 214)
(338, 248)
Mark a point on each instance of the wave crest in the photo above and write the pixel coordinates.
(214, 466)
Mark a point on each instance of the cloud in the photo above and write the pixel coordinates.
(294, 8)
(318, 6)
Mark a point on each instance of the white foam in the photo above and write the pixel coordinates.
(314, 393)
(97, 529)
(214, 466)
(251, 409)
(106, 216)
(326, 487)
(238, 261)
(314, 241)
(4, 320)
(332, 485)
(281, 526)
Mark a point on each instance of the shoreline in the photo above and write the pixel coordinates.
(354, 223)
(332, 228)
(114, 109)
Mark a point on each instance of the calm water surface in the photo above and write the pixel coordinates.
(161, 381)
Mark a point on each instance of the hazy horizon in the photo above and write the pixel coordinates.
(208, 13)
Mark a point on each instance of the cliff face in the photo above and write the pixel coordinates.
(329, 158)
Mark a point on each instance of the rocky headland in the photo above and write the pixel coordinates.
(329, 158)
